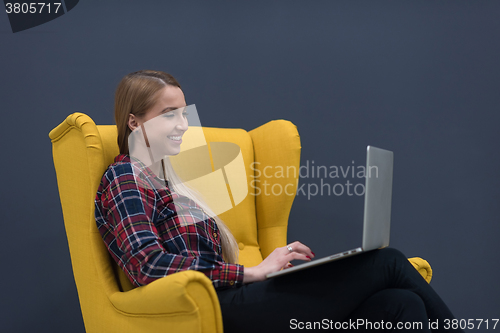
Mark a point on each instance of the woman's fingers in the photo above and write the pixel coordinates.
(280, 258)
(298, 256)
(300, 248)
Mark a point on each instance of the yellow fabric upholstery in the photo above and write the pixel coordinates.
(423, 267)
(185, 301)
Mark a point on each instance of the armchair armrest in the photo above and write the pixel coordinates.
(423, 267)
(180, 293)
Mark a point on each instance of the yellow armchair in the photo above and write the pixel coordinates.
(185, 301)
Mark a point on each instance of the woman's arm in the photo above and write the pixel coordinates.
(124, 216)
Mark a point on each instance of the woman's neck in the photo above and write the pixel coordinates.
(157, 169)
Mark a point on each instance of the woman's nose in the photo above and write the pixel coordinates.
(182, 124)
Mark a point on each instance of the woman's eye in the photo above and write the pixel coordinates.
(169, 115)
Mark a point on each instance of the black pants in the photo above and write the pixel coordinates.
(374, 291)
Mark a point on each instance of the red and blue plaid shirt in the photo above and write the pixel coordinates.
(149, 236)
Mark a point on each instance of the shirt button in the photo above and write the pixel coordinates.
(215, 234)
(231, 282)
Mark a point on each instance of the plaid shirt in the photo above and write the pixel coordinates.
(149, 236)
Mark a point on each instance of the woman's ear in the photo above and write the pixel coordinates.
(132, 122)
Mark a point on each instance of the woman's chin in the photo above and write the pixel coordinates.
(173, 152)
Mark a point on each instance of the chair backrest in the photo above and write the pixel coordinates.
(82, 151)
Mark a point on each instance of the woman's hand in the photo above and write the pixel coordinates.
(279, 259)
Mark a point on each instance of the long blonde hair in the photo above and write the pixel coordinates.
(135, 95)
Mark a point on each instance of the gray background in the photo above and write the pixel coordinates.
(420, 78)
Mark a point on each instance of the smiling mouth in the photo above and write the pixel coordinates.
(175, 138)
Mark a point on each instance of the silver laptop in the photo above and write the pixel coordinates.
(377, 214)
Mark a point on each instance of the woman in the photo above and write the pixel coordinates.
(153, 225)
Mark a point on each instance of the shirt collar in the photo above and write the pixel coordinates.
(125, 158)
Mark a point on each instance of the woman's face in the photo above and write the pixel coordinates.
(165, 123)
